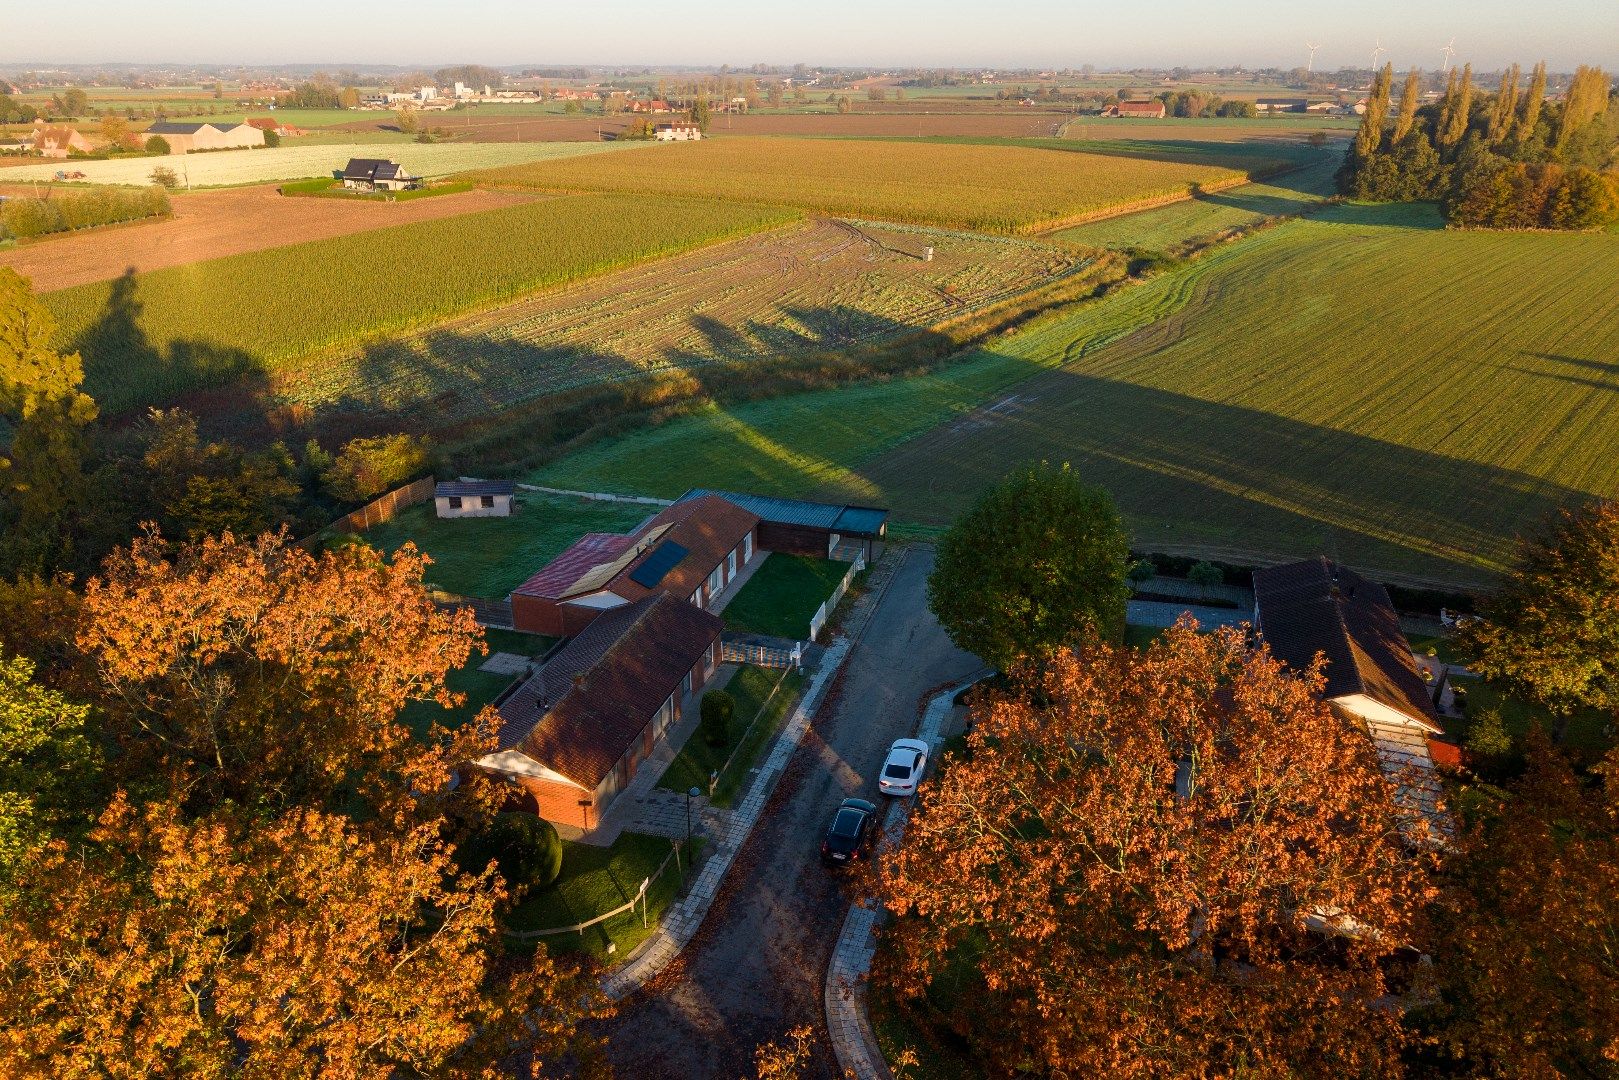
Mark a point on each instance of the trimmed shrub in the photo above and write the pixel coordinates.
(718, 708)
(157, 144)
(525, 848)
(21, 218)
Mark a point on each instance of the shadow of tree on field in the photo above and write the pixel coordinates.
(126, 370)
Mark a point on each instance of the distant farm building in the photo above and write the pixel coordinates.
(574, 734)
(1282, 105)
(656, 105)
(189, 138)
(58, 141)
(677, 133)
(1151, 110)
(375, 174)
(473, 498)
(1317, 607)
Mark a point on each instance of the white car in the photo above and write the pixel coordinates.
(906, 760)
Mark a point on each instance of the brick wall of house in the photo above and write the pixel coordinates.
(559, 803)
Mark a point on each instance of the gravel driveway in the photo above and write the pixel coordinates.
(757, 968)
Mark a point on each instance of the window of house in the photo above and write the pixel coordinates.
(708, 660)
(685, 685)
(455, 502)
(747, 548)
(697, 597)
(716, 580)
(730, 564)
(488, 501)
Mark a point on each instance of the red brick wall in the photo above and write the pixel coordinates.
(559, 802)
(540, 616)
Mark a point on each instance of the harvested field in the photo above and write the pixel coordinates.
(493, 125)
(997, 188)
(1213, 129)
(260, 166)
(214, 224)
(1282, 396)
(825, 285)
(148, 338)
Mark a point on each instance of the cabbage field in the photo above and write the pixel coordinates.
(259, 166)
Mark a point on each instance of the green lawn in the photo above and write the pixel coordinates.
(597, 879)
(1281, 396)
(783, 595)
(1590, 731)
(480, 687)
(488, 557)
(697, 761)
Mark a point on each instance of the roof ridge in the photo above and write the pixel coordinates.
(1335, 594)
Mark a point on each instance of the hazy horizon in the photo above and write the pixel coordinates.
(896, 33)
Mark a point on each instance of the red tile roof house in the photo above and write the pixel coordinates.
(1319, 607)
(691, 550)
(1152, 110)
(574, 733)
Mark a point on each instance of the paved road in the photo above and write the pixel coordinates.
(757, 968)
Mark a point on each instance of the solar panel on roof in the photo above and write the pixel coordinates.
(663, 559)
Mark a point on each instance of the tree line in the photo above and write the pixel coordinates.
(1512, 159)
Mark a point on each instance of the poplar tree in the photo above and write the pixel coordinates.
(1532, 103)
(1506, 106)
(1587, 99)
(1409, 96)
(1458, 106)
(1370, 136)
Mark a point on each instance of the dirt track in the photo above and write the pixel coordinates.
(209, 224)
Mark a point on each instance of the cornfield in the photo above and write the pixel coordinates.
(147, 338)
(997, 188)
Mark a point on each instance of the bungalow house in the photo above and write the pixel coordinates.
(573, 734)
(1151, 110)
(692, 550)
(189, 138)
(58, 141)
(677, 133)
(656, 105)
(473, 498)
(374, 174)
(1317, 607)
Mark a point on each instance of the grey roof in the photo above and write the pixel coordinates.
(865, 521)
(168, 127)
(371, 169)
(1317, 606)
(475, 487)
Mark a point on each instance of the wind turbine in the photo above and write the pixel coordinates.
(1310, 67)
(1377, 52)
(1450, 52)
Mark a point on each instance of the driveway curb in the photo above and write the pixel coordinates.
(847, 1020)
(681, 922)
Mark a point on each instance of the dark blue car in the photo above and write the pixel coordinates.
(852, 833)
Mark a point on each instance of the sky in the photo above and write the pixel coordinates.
(944, 33)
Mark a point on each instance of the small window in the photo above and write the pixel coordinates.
(685, 685)
(488, 501)
(455, 502)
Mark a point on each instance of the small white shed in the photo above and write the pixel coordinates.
(474, 498)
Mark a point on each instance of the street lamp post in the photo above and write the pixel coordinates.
(691, 793)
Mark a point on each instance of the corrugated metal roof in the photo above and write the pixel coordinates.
(852, 520)
(475, 487)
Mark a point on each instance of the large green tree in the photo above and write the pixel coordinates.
(42, 478)
(1037, 564)
(1552, 630)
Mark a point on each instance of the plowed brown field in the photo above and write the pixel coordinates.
(493, 126)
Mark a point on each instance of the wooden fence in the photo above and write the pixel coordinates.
(638, 898)
(384, 508)
(767, 656)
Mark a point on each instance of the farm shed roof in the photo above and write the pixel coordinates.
(1317, 606)
(864, 521)
(582, 710)
(475, 487)
(561, 577)
(169, 127)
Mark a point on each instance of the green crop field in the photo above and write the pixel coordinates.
(295, 161)
(995, 187)
(1166, 227)
(147, 338)
(1361, 382)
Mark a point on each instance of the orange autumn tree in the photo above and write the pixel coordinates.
(1527, 931)
(1137, 858)
(272, 890)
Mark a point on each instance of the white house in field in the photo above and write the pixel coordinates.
(677, 133)
(474, 498)
(1317, 607)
